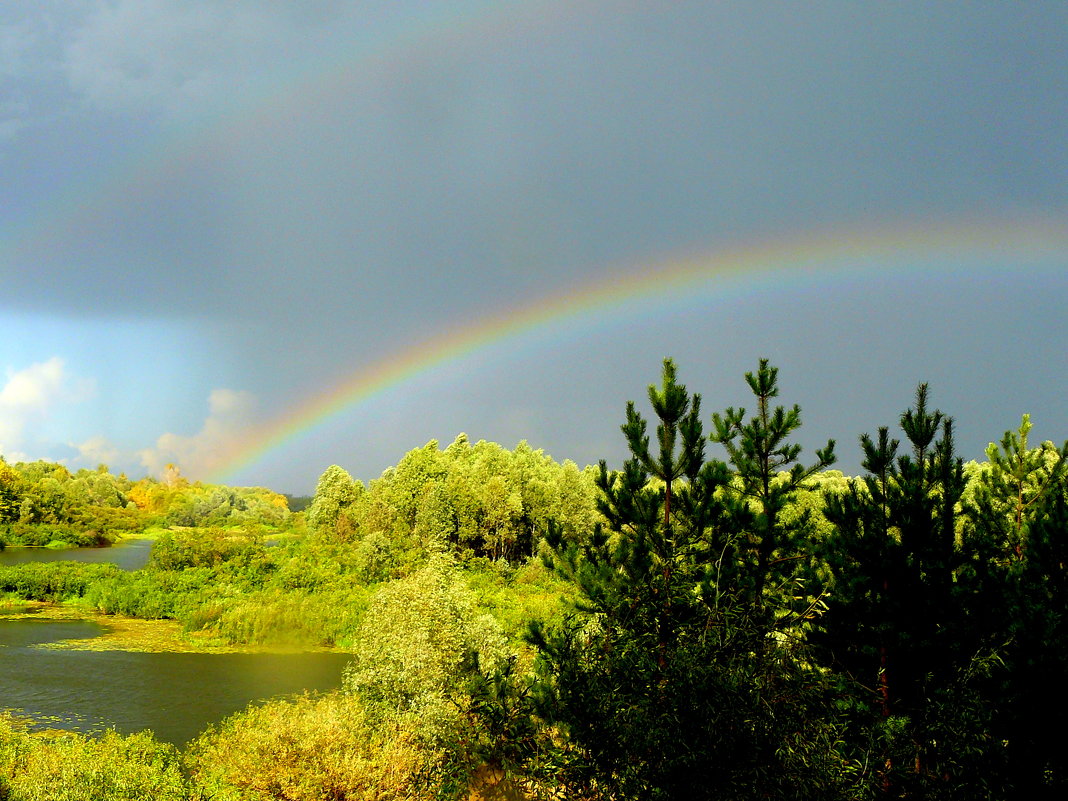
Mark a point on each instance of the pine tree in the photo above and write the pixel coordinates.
(900, 627)
(1019, 514)
(670, 683)
(768, 476)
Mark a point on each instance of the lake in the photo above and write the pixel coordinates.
(176, 695)
(129, 554)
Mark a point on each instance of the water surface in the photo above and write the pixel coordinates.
(129, 554)
(175, 695)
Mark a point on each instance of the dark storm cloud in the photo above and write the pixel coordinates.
(323, 184)
(507, 163)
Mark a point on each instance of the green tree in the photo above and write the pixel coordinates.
(335, 493)
(667, 682)
(421, 638)
(1016, 483)
(12, 487)
(1018, 513)
(901, 628)
(769, 477)
(481, 500)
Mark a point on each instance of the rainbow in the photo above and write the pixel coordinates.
(73, 212)
(664, 286)
(653, 286)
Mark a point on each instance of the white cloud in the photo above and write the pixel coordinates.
(227, 403)
(32, 396)
(34, 388)
(29, 396)
(97, 450)
(230, 416)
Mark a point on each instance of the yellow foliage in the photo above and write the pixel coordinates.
(73, 767)
(311, 749)
(149, 495)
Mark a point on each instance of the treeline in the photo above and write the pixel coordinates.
(483, 505)
(478, 500)
(44, 503)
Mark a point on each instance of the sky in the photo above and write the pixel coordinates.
(255, 238)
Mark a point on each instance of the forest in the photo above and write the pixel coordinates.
(750, 624)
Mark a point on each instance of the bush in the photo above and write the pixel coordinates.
(421, 638)
(74, 767)
(312, 749)
(527, 593)
(272, 617)
(131, 594)
(45, 534)
(209, 547)
(152, 594)
(54, 581)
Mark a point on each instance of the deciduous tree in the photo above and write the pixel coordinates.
(335, 492)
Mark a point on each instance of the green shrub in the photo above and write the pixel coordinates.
(150, 594)
(273, 617)
(53, 581)
(421, 638)
(312, 749)
(526, 593)
(45, 534)
(205, 547)
(74, 767)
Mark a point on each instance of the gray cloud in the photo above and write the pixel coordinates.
(491, 168)
(169, 56)
(324, 184)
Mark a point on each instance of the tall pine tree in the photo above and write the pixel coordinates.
(670, 682)
(1018, 514)
(768, 477)
(900, 629)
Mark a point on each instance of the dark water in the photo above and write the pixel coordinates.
(175, 695)
(128, 554)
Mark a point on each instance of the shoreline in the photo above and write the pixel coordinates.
(121, 633)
